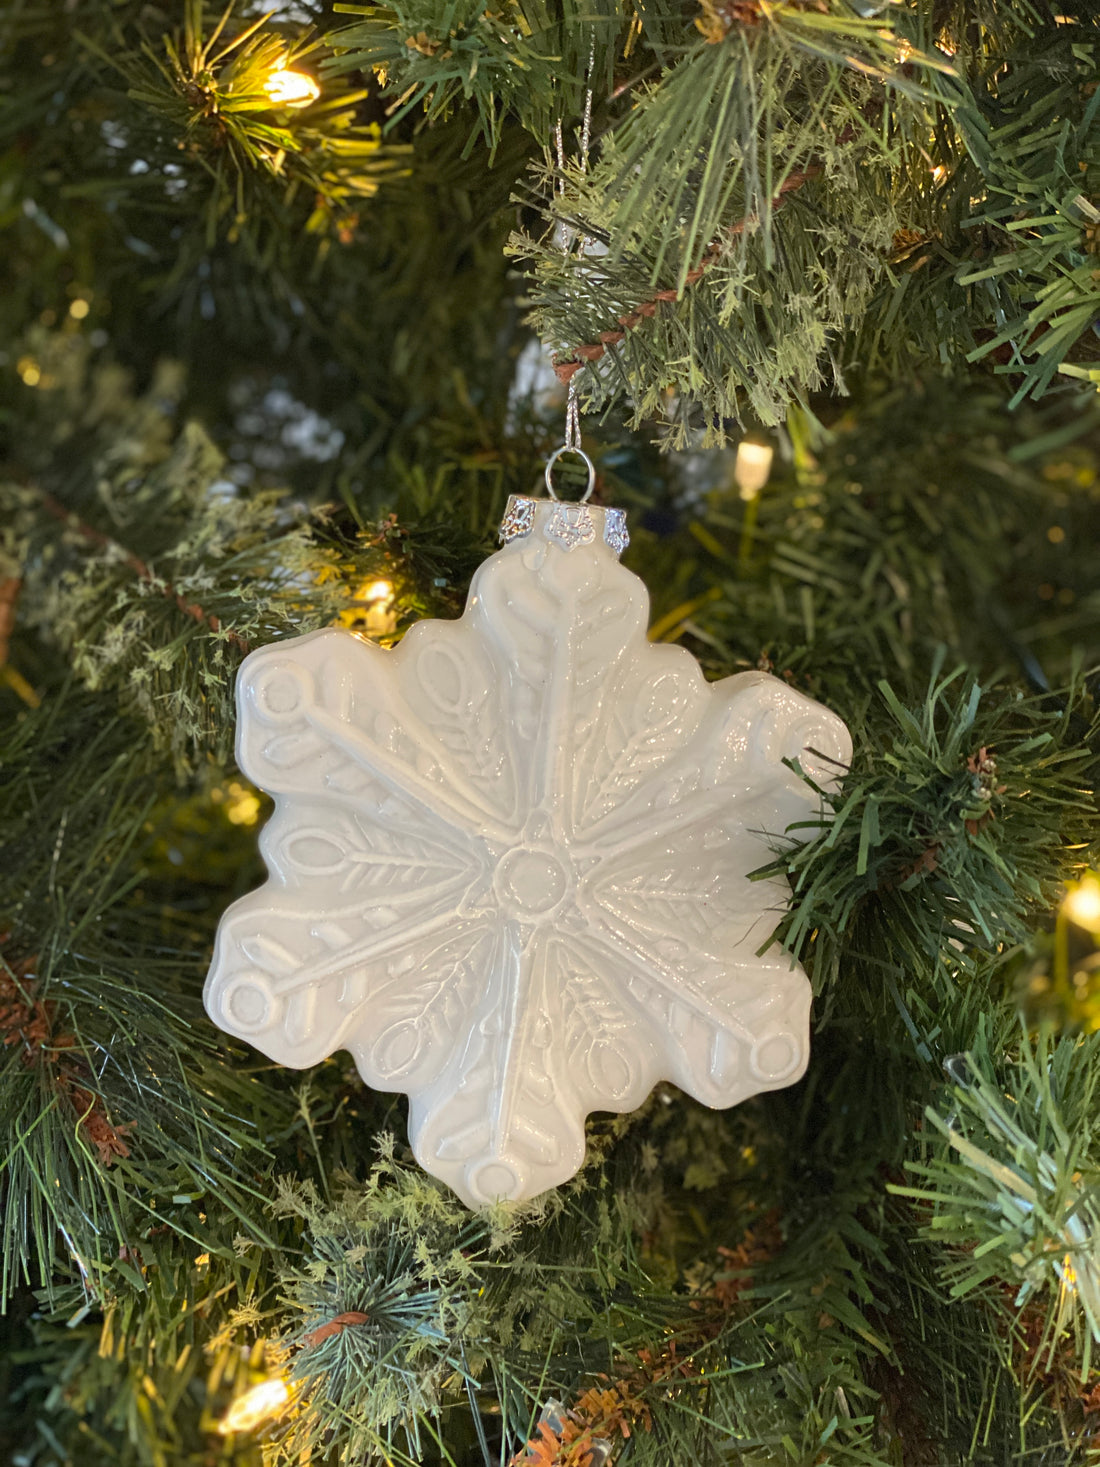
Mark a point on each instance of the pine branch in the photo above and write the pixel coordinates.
(112, 1091)
(524, 62)
(242, 107)
(707, 177)
(140, 569)
(163, 619)
(954, 851)
(1007, 1181)
(567, 364)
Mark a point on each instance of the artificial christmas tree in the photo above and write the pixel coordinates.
(292, 304)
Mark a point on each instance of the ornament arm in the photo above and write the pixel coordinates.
(452, 802)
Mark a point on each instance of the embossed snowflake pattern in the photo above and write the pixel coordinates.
(509, 866)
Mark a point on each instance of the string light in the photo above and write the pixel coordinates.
(242, 805)
(752, 467)
(372, 610)
(263, 1402)
(1082, 903)
(288, 88)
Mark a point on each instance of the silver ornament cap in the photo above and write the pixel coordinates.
(566, 525)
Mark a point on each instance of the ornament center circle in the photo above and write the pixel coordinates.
(531, 882)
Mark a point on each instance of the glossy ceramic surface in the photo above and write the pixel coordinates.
(509, 863)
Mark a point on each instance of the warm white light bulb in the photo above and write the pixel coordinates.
(291, 88)
(752, 467)
(262, 1403)
(1082, 904)
(372, 609)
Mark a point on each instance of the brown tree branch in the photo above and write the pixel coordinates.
(27, 1023)
(334, 1326)
(9, 595)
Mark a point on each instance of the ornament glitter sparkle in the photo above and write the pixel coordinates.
(509, 861)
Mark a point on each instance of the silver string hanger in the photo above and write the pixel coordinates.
(572, 442)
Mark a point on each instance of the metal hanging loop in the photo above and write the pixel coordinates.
(572, 442)
(552, 460)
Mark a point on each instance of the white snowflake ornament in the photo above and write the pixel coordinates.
(509, 861)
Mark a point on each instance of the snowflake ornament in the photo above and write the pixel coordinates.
(509, 861)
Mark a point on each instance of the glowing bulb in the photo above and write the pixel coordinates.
(291, 88)
(262, 1403)
(373, 593)
(243, 805)
(752, 467)
(79, 309)
(371, 612)
(1082, 903)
